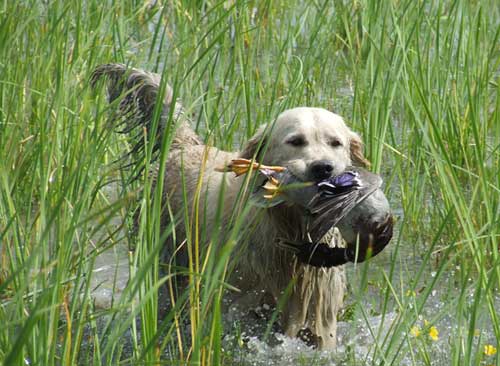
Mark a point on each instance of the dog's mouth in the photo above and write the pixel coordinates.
(305, 172)
(299, 174)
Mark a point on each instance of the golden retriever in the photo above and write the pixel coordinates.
(312, 143)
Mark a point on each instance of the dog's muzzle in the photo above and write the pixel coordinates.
(320, 170)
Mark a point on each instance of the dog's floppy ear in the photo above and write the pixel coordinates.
(255, 147)
(356, 147)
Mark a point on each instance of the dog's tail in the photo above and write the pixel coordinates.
(139, 91)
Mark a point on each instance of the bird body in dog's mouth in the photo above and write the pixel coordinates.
(352, 201)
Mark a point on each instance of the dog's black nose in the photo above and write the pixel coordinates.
(320, 169)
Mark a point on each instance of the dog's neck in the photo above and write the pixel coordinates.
(288, 220)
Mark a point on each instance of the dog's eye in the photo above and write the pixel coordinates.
(297, 141)
(335, 142)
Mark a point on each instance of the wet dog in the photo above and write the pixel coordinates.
(312, 143)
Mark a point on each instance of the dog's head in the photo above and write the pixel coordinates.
(312, 143)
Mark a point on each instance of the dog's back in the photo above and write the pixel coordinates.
(136, 113)
(150, 124)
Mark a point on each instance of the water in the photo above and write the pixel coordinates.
(356, 333)
(111, 270)
(110, 276)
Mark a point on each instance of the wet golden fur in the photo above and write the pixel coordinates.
(262, 268)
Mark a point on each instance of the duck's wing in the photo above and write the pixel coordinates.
(336, 197)
(326, 212)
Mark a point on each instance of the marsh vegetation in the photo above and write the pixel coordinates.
(417, 79)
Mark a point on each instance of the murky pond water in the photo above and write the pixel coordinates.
(111, 269)
(374, 316)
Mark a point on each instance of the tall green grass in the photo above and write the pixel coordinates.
(418, 80)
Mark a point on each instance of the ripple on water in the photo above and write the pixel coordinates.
(356, 338)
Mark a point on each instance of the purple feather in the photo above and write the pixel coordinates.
(346, 179)
(339, 182)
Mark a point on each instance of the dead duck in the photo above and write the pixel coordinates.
(352, 201)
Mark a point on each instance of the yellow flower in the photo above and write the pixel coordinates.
(433, 333)
(415, 331)
(490, 350)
